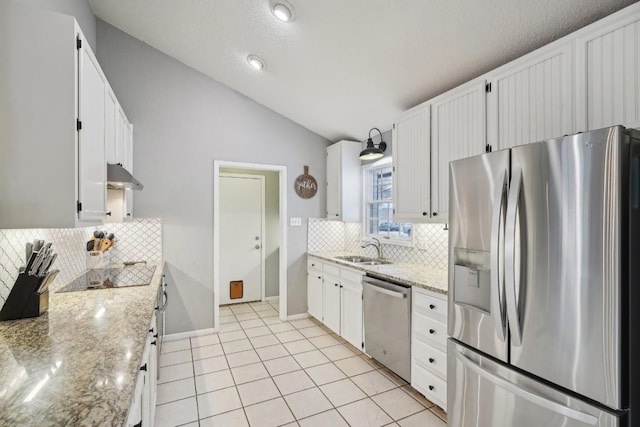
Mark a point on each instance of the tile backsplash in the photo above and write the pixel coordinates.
(138, 240)
(327, 235)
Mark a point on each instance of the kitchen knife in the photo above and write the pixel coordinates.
(28, 251)
(48, 264)
(47, 281)
(37, 245)
(39, 257)
(32, 259)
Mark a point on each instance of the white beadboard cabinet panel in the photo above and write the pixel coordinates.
(411, 160)
(608, 78)
(344, 181)
(351, 311)
(92, 187)
(110, 108)
(458, 132)
(533, 97)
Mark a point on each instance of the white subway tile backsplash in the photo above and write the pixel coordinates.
(326, 236)
(140, 239)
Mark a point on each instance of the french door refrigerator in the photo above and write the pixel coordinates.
(544, 284)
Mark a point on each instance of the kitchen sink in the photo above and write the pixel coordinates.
(374, 262)
(362, 260)
(356, 259)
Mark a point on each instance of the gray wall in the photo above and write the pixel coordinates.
(183, 121)
(272, 225)
(79, 9)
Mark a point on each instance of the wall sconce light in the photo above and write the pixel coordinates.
(372, 152)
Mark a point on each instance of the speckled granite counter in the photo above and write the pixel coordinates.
(78, 363)
(431, 279)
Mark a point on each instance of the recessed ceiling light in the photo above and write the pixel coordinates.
(283, 10)
(256, 62)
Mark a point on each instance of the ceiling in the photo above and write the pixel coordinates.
(342, 67)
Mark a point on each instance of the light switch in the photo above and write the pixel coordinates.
(295, 222)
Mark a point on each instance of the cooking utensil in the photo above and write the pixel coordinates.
(32, 259)
(37, 245)
(39, 258)
(107, 242)
(47, 264)
(50, 277)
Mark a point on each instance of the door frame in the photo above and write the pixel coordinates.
(282, 172)
(263, 222)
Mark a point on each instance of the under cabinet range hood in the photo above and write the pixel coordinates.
(118, 178)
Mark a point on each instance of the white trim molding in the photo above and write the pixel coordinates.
(190, 334)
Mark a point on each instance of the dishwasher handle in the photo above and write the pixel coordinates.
(382, 287)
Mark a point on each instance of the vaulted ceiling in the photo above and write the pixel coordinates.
(343, 66)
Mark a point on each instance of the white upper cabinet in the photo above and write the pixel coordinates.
(344, 181)
(92, 182)
(608, 83)
(531, 97)
(54, 138)
(128, 165)
(110, 108)
(411, 158)
(458, 131)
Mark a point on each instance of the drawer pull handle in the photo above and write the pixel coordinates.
(432, 331)
(431, 306)
(431, 360)
(431, 387)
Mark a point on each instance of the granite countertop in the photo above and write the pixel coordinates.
(431, 279)
(78, 363)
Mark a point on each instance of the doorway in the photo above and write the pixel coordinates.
(275, 259)
(242, 237)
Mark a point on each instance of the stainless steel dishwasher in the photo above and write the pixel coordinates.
(387, 324)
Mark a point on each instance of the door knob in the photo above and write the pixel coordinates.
(257, 246)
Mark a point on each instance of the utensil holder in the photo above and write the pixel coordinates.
(24, 301)
(98, 260)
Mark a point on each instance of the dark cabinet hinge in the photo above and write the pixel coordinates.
(488, 148)
(487, 88)
(78, 42)
(79, 206)
(362, 345)
(78, 124)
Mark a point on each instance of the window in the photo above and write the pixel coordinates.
(378, 178)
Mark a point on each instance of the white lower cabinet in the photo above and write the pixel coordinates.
(429, 345)
(143, 408)
(334, 296)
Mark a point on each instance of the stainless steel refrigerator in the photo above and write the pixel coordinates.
(544, 284)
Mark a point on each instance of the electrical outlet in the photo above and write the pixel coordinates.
(295, 222)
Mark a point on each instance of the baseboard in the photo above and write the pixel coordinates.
(190, 334)
(298, 316)
(271, 298)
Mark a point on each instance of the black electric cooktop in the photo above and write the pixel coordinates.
(135, 275)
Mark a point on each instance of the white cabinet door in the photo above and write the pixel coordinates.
(121, 135)
(458, 131)
(110, 109)
(411, 159)
(333, 181)
(128, 164)
(608, 75)
(532, 98)
(331, 316)
(314, 294)
(351, 312)
(92, 186)
(135, 410)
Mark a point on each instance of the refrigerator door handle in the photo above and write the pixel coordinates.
(497, 276)
(525, 394)
(510, 256)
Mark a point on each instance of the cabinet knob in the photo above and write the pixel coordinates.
(341, 286)
(431, 306)
(154, 343)
(108, 213)
(432, 331)
(319, 277)
(431, 360)
(129, 214)
(143, 367)
(335, 284)
(431, 387)
(337, 215)
(435, 214)
(425, 213)
(138, 425)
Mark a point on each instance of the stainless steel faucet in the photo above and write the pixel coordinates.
(376, 245)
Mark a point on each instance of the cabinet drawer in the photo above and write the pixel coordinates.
(350, 275)
(314, 264)
(427, 383)
(331, 269)
(429, 305)
(429, 330)
(429, 357)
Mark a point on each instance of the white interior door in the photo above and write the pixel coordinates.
(242, 219)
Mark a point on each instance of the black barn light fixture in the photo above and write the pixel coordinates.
(372, 152)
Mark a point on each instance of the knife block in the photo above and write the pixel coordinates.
(24, 301)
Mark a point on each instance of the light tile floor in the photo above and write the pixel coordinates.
(261, 372)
